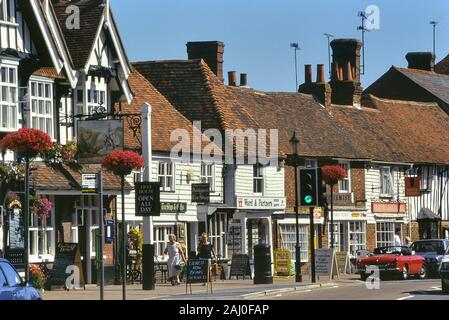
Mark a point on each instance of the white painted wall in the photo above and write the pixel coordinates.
(182, 193)
(273, 181)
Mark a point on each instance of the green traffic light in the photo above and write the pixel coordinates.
(308, 199)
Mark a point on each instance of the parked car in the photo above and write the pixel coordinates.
(444, 273)
(432, 251)
(12, 287)
(394, 261)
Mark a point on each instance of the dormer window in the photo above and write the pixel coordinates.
(42, 105)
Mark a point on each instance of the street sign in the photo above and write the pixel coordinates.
(90, 183)
(201, 193)
(148, 203)
(174, 207)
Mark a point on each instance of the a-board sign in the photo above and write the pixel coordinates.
(240, 266)
(67, 255)
(148, 203)
(324, 259)
(201, 193)
(282, 262)
(198, 271)
(343, 262)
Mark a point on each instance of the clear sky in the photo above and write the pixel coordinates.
(257, 33)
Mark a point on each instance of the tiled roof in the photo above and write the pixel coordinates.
(443, 66)
(199, 95)
(65, 178)
(383, 130)
(165, 118)
(397, 131)
(435, 83)
(80, 41)
(49, 72)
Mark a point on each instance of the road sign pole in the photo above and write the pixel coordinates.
(312, 243)
(101, 258)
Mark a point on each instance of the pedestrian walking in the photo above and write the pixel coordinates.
(175, 254)
(206, 251)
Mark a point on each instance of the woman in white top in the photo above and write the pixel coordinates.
(175, 254)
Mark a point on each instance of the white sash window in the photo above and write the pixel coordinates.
(8, 98)
(42, 106)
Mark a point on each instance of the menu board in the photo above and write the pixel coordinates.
(240, 266)
(67, 254)
(324, 262)
(282, 262)
(198, 271)
(148, 203)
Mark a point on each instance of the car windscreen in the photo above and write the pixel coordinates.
(429, 247)
(389, 250)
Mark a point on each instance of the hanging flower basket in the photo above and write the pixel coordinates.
(122, 163)
(42, 208)
(333, 174)
(27, 143)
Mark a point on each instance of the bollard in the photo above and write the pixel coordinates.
(262, 264)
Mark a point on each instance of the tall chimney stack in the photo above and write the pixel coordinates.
(232, 78)
(345, 79)
(308, 73)
(320, 73)
(243, 80)
(211, 52)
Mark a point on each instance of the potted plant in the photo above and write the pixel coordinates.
(37, 277)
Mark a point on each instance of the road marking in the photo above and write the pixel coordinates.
(437, 288)
(278, 296)
(405, 298)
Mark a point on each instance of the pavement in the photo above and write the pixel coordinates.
(222, 290)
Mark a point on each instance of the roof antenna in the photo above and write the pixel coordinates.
(434, 24)
(363, 28)
(329, 36)
(295, 45)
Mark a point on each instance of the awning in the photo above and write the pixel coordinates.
(426, 214)
(214, 208)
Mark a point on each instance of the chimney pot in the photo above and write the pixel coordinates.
(320, 73)
(421, 60)
(232, 77)
(308, 73)
(243, 79)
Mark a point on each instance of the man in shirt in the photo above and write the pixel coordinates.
(397, 238)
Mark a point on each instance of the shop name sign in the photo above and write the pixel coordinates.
(260, 203)
(389, 207)
(89, 183)
(174, 207)
(148, 199)
(341, 199)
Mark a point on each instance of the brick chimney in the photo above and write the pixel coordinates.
(211, 52)
(320, 89)
(421, 60)
(345, 76)
(232, 78)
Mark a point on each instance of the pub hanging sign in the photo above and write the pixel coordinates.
(148, 203)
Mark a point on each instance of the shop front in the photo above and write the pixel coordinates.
(391, 219)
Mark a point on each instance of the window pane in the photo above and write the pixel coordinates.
(48, 107)
(4, 75)
(40, 89)
(12, 94)
(41, 107)
(42, 124)
(35, 122)
(49, 127)
(170, 183)
(89, 95)
(13, 113)
(5, 116)
(80, 96)
(12, 75)
(5, 94)
(47, 91)
(33, 89)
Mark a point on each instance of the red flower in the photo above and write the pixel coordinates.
(27, 143)
(122, 163)
(333, 174)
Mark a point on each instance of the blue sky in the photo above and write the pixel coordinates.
(258, 33)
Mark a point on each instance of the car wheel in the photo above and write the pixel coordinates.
(445, 287)
(404, 274)
(423, 274)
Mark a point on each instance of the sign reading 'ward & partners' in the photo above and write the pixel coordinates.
(260, 203)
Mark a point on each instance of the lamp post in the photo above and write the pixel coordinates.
(293, 161)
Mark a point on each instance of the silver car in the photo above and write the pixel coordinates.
(444, 273)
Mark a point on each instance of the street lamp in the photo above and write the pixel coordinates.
(293, 161)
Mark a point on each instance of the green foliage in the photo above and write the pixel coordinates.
(136, 236)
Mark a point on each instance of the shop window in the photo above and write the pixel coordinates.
(357, 237)
(161, 234)
(42, 238)
(217, 233)
(288, 236)
(386, 182)
(385, 232)
(8, 98)
(207, 175)
(426, 178)
(345, 185)
(42, 106)
(166, 176)
(258, 179)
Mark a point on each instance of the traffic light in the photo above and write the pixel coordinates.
(310, 187)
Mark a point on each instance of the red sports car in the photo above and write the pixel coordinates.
(394, 261)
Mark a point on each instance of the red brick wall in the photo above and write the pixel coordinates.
(370, 237)
(358, 184)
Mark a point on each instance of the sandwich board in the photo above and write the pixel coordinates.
(198, 271)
